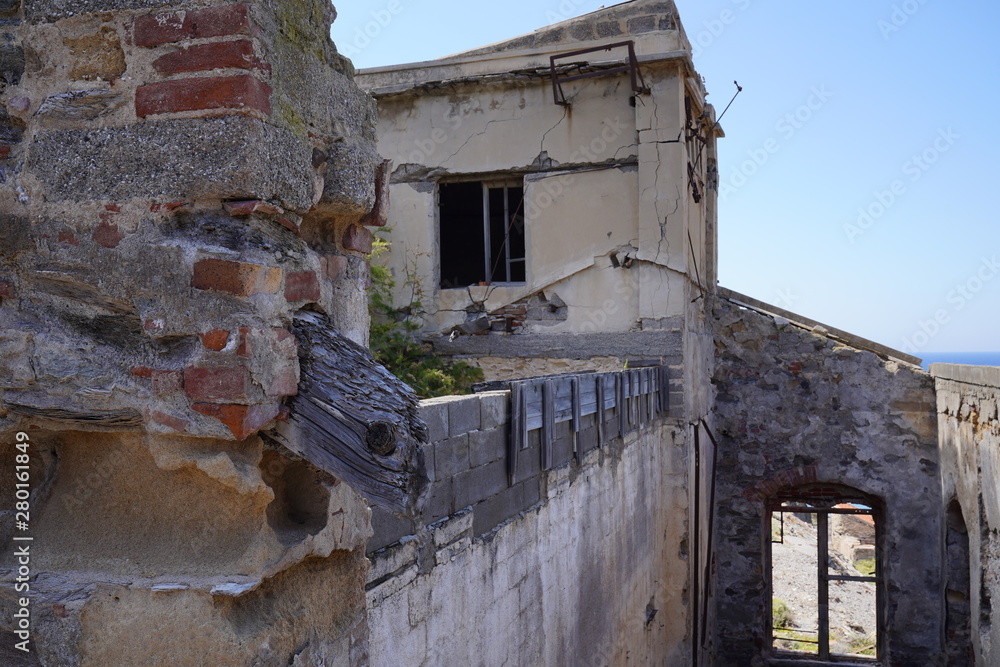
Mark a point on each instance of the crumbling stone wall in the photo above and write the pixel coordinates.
(794, 407)
(969, 431)
(177, 181)
(583, 564)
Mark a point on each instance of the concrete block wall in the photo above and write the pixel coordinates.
(574, 562)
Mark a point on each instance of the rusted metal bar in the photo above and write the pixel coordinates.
(635, 76)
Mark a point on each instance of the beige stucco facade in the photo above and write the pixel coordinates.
(618, 185)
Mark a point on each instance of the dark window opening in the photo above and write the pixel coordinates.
(481, 233)
(825, 574)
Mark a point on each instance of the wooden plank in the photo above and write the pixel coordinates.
(601, 412)
(548, 423)
(577, 413)
(621, 380)
(577, 419)
(588, 395)
(518, 433)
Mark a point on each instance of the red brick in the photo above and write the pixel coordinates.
(142, 371)
(167, 382)
(285, 383)
(335, 266)
(107, 234)
(244, 347)
(169, 27)
(169, 421)
(358, 238)
(242, 420)
(225, 383)
(288, 224)
(215, 340)
(215, 55)
(379, 214)
(301, 286)
(286, 345)
(4, 152)
(66, 236)
(113, 208)
(239, 278)
(250, 207)
(153, 208)
(153, 325)
(215, 92)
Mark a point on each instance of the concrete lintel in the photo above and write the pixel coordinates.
(632, 344)
(986, 376)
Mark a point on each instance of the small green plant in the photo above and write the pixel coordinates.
(865, 566)
(394, 343)
(781, 616)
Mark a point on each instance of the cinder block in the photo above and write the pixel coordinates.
(494, 409)
(434, 412)
(388, 528)
(451, 456)
(528, 463)
(473, 486)
(440, 501)
(464, 415)
(487, 446)
(452, 529)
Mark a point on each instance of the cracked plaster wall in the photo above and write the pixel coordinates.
(605, 182)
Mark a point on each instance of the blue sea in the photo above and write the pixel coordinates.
(970, 358)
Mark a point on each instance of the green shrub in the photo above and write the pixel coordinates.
(394, 342)
(781, 616)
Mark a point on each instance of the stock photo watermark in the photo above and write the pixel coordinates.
(900, 16)
(787, 126)
(714, 28)
(958, 298)
(913, 169)
(370, 31)
(22, 542)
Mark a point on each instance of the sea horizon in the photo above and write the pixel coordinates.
(968, 358)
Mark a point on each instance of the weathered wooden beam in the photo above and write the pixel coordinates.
(354, 419)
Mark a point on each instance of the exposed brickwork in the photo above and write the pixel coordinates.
(239, 278)
(242, 420)
(237, 54)
(6, 289)
(335, 266)
(215, 340)
(358, 238)
(167, 382)
(224, 383)
(107, 234)
(302, 286)
(242, 92)
(168, 27)
(176, 423)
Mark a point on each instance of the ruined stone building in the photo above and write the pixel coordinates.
(217, 472)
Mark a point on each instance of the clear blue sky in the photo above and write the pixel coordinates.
(884, 107)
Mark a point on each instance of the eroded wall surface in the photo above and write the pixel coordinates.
(582, 564)
(969, 431)
(177, 181)
(794, 407)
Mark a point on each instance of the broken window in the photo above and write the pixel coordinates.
(481, 233)
(825, 574)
